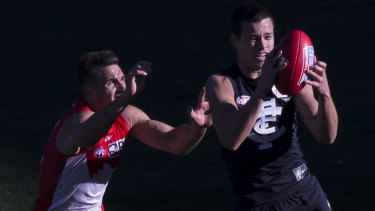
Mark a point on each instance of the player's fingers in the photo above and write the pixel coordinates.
(271, 55)
(143, 69)
(201, 98)
(318, 69)
(282, 64)
(314, 76)
(319, 65)
(312, 83)
(190, 112)
(275, 55)
(130, 82)
(141, 73)
(146, 69)
(202, 94)
(280, 61)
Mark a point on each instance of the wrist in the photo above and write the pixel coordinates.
(259, 94)
(324, 96)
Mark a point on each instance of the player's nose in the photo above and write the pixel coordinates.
(121, 86)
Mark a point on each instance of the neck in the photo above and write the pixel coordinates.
(90, 103)
(249, 72)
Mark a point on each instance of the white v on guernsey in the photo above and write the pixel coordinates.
(78, 182)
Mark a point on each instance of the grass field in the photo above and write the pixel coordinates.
(186, 41)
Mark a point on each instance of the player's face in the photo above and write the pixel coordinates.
(255, 42)
(110, 85)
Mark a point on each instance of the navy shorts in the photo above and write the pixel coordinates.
(310, 198)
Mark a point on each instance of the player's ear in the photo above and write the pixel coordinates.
(88, 92)
(233, 39)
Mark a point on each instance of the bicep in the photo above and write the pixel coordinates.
(69, 135)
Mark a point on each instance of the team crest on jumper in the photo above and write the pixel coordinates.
(100, 152)
(242, 100)
(265, 129)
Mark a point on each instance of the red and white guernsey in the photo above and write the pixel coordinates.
(78, 182)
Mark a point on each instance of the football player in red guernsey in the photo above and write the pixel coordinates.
(85, 145)
(256, 124)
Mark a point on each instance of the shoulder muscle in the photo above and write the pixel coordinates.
(133, 115)
(66, 139)
(219, 88)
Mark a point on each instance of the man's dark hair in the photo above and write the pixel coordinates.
(90, 64)
(248, 11)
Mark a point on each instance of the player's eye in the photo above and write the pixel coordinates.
(109, 83)
(268, 37)
(253, 38)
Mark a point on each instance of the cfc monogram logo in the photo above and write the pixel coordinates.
(265, 128)
(267, 114)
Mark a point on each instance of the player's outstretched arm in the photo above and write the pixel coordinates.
(319, 115)
(178, 140)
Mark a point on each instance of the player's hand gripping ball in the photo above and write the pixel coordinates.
(298, 52)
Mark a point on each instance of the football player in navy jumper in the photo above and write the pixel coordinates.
(257, 125)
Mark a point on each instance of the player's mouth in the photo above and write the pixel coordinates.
(117, 94)
(261, 56)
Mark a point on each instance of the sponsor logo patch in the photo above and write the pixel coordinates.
(115, 148)
(300, 172)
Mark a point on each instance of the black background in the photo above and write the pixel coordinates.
(186, 41)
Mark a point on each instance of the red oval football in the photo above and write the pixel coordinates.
(298, 51)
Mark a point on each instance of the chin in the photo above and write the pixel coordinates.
(255, 67)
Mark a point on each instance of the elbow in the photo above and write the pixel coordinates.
(331, 139)
(328, 139)
(84, 142)
(328, 132)
(230, 145)
(231, 148)
(180, 152)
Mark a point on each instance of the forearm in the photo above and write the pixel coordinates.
(327, 119)
(92, 129)
(183, 139)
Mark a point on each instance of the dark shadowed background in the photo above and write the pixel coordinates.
(186, 41)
